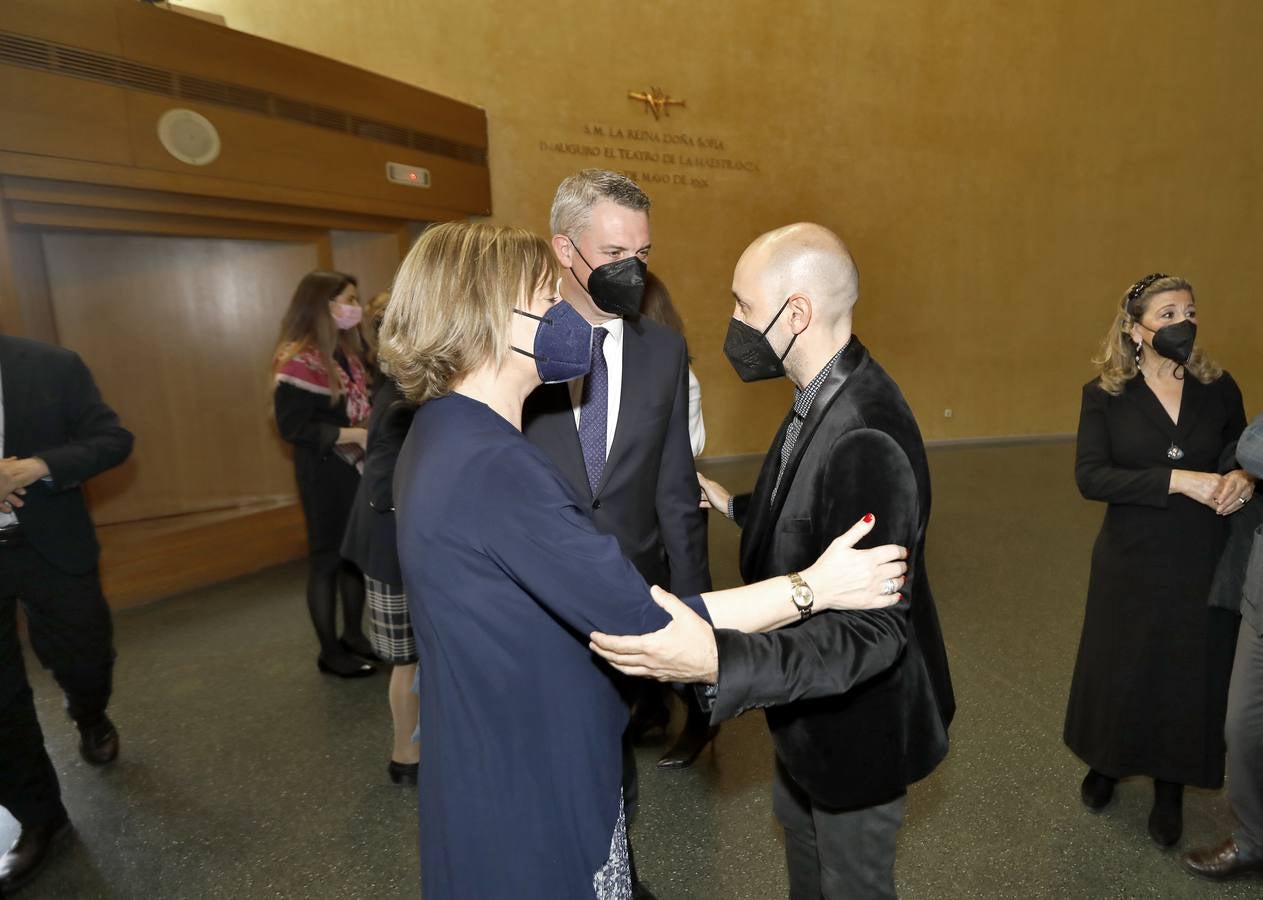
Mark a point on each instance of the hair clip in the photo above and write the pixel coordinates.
(1143, 285)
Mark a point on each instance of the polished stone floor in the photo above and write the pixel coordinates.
(245, 773)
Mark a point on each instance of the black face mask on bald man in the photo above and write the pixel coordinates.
(751, 354)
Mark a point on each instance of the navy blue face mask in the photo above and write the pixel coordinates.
(563, 343)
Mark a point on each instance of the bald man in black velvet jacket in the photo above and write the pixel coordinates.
(858, 703)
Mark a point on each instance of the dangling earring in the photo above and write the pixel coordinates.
(1140, 348)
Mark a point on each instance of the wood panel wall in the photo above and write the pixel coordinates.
(179, 334)
(372, 258)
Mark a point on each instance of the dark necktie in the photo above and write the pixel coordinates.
(594, 410)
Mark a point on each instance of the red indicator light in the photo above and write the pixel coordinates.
(412, 176)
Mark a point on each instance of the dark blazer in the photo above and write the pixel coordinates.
(53, 410)
(858, 702)
(369, 541)
(1250, 455)
(648, 495)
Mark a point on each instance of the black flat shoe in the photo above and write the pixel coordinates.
(359, 646)
(98, 744)
(1097, 790)
(29, 853)
(1166, 819)
(402, 773)
(687, 748)
(344, 666)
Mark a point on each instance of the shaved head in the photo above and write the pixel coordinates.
(797, 285)
(808, 259)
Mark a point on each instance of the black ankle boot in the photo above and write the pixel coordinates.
(1097, 790)
(1166, 819)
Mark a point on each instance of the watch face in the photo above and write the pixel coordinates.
(802, 596)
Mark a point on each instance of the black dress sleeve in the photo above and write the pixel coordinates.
(1094, 469)
(387, 429)
(302, 418)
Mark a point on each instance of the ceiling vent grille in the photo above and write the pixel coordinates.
(34, 53)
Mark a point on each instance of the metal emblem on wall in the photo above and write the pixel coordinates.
(656, 100)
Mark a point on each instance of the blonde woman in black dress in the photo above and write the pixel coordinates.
(1156, 438)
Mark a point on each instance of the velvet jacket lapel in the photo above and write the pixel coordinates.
(758, 518)
(765, 512)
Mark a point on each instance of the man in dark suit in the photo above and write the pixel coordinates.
(1241, 853)
(858, 703)
(620, 436)
(55, 434)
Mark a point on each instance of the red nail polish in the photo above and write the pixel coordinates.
(868, 517)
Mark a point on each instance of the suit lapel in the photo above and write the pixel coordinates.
(1152, 407)
(635, 366)
(13, 390)
(558, 433)
(759, 517)
(852, 361)
(1192, 403)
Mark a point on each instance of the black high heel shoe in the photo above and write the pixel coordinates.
(359, 647)
(344, 666)
(402, 773)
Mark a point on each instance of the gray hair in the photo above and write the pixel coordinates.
(575, 197)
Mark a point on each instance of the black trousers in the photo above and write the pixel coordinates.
(72, 635)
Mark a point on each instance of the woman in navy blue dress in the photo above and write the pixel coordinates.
(519, 784)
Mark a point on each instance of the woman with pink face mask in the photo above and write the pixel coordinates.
(321, 368)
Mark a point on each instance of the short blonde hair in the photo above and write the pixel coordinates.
(452, 303)
(1119, 352)
(575, 197)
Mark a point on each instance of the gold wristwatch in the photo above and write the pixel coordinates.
(801, 594)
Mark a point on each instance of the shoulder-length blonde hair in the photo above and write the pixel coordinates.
(1119, 352)
(452, 303)
(307, 325)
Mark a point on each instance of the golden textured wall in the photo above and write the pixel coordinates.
(1001, 170)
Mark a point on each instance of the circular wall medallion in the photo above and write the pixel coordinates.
(189, 137)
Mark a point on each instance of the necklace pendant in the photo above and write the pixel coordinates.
(1174, 453)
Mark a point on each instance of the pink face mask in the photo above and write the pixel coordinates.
(345, 315)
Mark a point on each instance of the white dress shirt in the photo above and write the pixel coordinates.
(613, 349)
(697, 427)
(6, 518)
